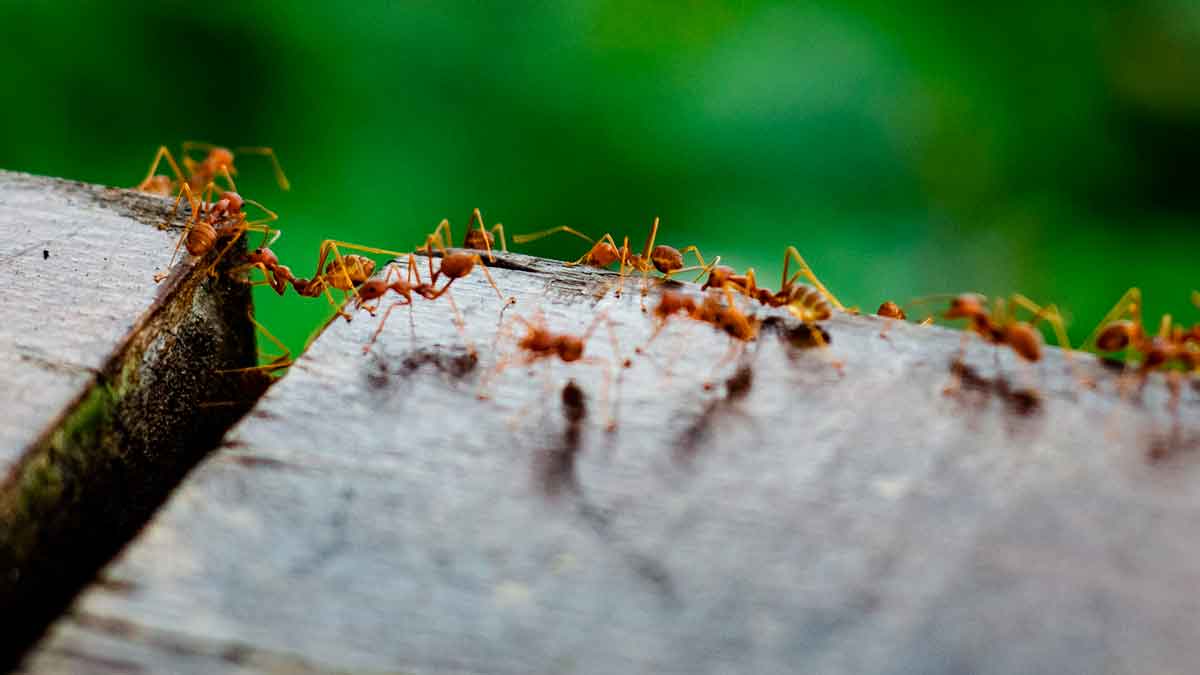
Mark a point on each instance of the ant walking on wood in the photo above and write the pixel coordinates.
(1000, 326)
(481, 238)
(540, 343)
(792, 295)
(200, 174)
(666, 259)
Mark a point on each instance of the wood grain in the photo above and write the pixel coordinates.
(104, 377)
(373, 514)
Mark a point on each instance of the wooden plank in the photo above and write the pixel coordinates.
(104, 375)
(373, 514)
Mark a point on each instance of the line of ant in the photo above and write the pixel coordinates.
(218, 215)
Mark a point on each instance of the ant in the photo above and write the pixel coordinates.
(807, 303)
(1172, 345)
(723, 316)
(893, 312)
(201, 173)
(666, 259)
(454, 266)
(999, 326)
(214, 221)
(540, 344)
(482, 238)
(345, 272)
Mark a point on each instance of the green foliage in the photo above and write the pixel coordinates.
(904, 148)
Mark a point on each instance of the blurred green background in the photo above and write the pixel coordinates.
(905, 148)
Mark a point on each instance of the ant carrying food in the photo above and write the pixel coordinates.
(1000, 326)
(199, 174)
(666, 259)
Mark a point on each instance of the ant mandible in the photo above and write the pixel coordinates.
(201, 173)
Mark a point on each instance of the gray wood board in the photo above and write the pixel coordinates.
(373, 514)
(104, 376)
(76, 266)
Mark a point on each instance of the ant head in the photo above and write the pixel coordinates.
(1025, 341)
(604, 254)
(1115, 336)
(717, 277)
(666, 259)
(265, 256)
(965, 306)
(891, 310)
(221, 157)
(570, 347)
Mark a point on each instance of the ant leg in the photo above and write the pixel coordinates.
(650, 239)
(458, 321)
(163, 153)
(498, 231)
(284, 360)
(805, 271)
(436, 235)
(284, 184)
(483, 268)
(159, 276)
(382, 322)
(534, 236)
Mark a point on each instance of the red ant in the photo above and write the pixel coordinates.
(1174, 344)
(481, 238)
(454, 266)
(797, 298)
(1174, 349)
(213, 221)
(723, 316)
(540, 344)
(999, 326)
(201, 173)
(666, 259)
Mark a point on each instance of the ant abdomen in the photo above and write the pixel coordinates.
(1025, 341)
(666, 259)
(201, 238)
(808, 305)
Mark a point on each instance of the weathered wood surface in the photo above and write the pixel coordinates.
(372, 514)
(101, 373)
